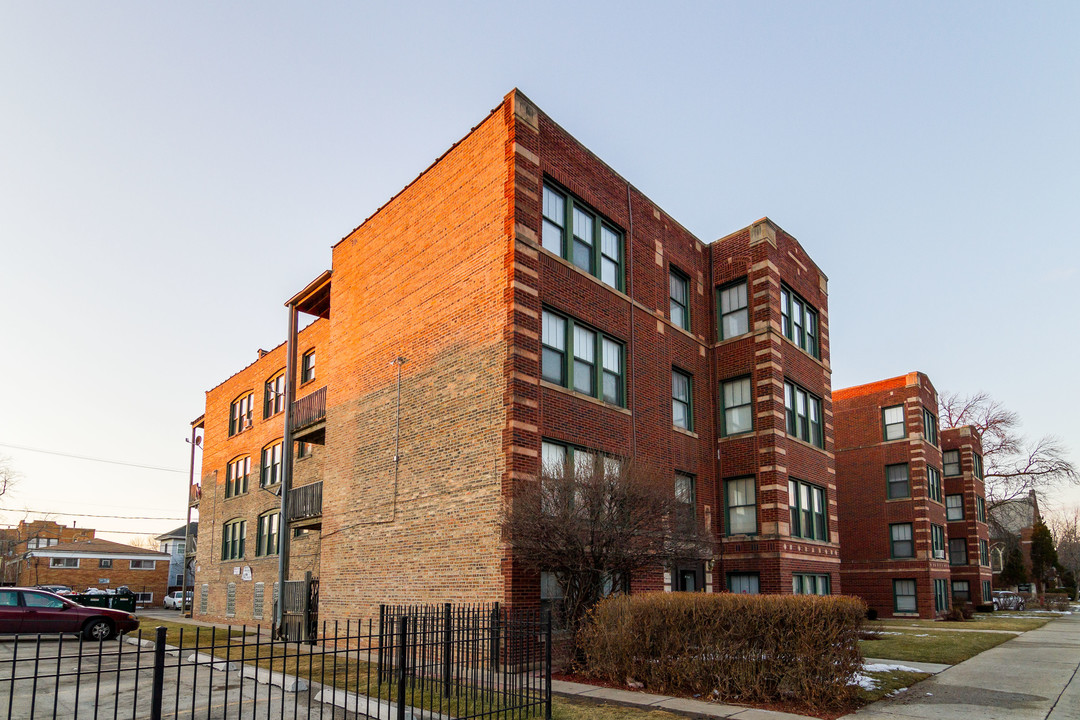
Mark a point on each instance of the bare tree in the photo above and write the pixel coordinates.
(1013, 465)
(8, 475)
(1065, 527)
(146, 542)
(595, 524)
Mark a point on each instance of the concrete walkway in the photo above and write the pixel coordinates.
(1032, 677)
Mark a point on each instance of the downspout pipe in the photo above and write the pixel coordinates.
(286, 471)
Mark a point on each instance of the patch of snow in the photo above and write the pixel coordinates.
(865, 682)
(883, 667)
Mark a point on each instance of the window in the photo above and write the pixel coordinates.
(105, 563)
(941, 594)
(307, 366)
(594, 245)
(303, 450)
(682, 402)
(803, 584)
(40, 542)
(806, 504)
(984, 552)
(986, 596)
(933, 483)
(143, 564)
(803, 412)
(958, 551)
(961, 591)
(679, 290)
(557, 457)
(741, 506)
(734, 311)
(977, 466)
(274, 395)
(954, 507)
(980, 509)
(798, 321)
(930, 434)
(63, 562)
(744, 583)
(232, 540)
(240, 413)
(951, 461)
(898, 481)
(564, 338)
(937, 541)
(893, 419)
(38, 600)
(686, 497)
(266, 540)
(901, 541)
(904, 596)
(270, 474)
(236, 477)
(738, 407)
(144, 598)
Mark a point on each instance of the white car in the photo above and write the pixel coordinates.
(172, 600)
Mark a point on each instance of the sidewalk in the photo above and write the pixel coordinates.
(1032, 677)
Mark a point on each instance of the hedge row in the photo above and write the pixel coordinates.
(760, 648)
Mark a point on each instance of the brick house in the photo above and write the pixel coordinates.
(519, 303)
(965, 511)
(34, 535)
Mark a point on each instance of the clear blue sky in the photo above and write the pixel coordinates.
(171, 173)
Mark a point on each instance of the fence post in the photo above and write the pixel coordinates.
(402, 637)
(380, 665)
(447, 647)
(547, 664)
(495, 637)
(305, 632)
(157, 689)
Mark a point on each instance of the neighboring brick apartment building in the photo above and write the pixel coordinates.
(520, 303)
(965, 511)
(47, 553)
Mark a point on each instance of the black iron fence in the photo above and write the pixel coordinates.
(415, 662)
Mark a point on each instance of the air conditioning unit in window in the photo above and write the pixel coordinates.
(939, 554)
(247, 423)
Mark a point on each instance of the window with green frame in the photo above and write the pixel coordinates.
(240, 413)
(958, 551)
(892, 422)
(808, 584)
(236, 477)
(897, 481)
(274, 395)
(682, 400)
(266, 539)
(799, 321)
(740, 506)
(744, 583)
(556, 456)
(933, 483)
(984, 553)
(807, 511)
(679, 290)
(738, 414)
(986, 594)
(233, 534)
(578, 357)
(734, 311)
(904, 599)
(951, 461)
(954, 507)
(941, 594)
(270, 472)
(803, 414)
(977, 465)
(930, 433)
(980, 509)
(937, 541)
(686, 499)
(901, 541)
(575, 232)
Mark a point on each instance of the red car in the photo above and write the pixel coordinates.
(28, 611)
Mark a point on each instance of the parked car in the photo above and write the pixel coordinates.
(32, 611)
(58, 589)
(1007, 600)
(172, 600)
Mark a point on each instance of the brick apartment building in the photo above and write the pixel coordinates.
(521, 303)
(965, 511)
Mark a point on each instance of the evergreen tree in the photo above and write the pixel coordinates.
(1043, 554)
(1012, 569)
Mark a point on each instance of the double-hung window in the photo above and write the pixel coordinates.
(951, 461)
(679, 290)
(941, 594)
(143, 564)
(574, 232)
(274, 395)
(901, 540)
(954, 507)
(240, 413)
(897, 481)
(686, 499)
(986, 597)
(58, 562)
(738, 407)
(682, 400)
(744, 583)
(893, 420)
(958, 551)
(984, 552)
(741, 501)
(236, 477)
(904, 596)
(581, 358)
(977, 465)
(980, 509)
(307, 366)
(803, 412)
(961, 591)
(933, 483)
(806, 584)
(937, 541)
(266, 542)
(930, 433)
(807, 508)
(799, 321)
(233, 534)
(270, 473)
(734, 311)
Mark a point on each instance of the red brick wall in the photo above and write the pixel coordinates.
(88, 574)
(966, 440)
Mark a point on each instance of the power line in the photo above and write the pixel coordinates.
(110, 517)
(92, 459)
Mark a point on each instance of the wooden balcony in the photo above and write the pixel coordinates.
(305, 505)
(308, 415)
(194, 495)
